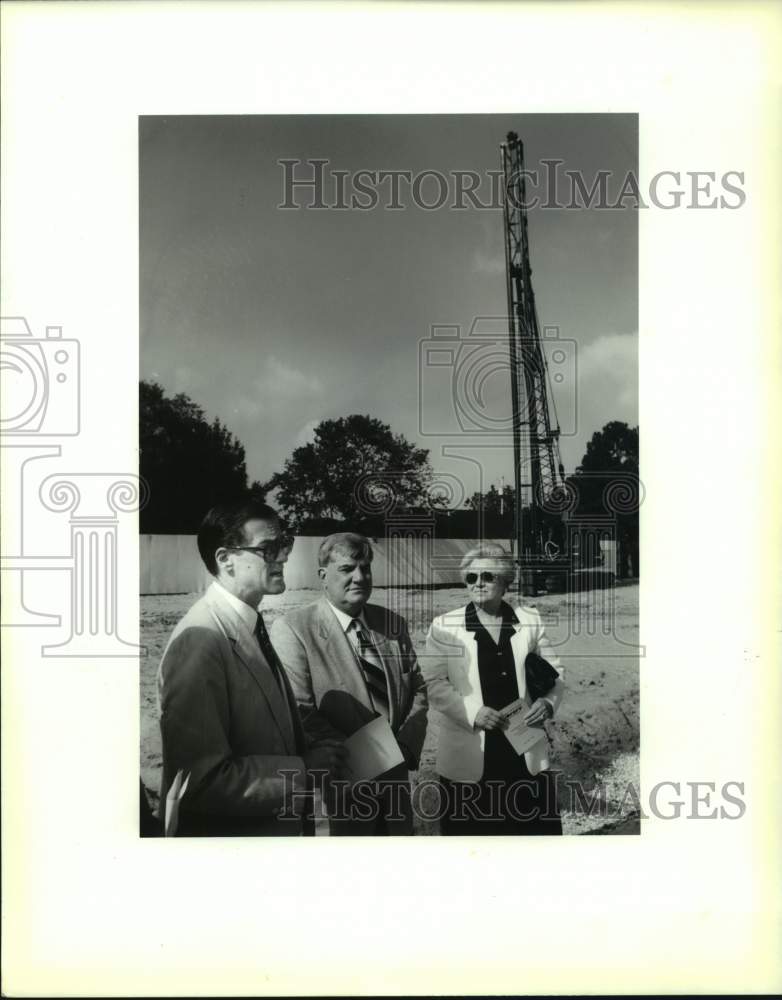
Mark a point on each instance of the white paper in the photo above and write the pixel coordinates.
(521, 736)
(372, 750)
(322, 828)
(175, 793)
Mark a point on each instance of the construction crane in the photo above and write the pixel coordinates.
(541, 495)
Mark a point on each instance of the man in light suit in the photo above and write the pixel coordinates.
(228, 718)
(348, 662)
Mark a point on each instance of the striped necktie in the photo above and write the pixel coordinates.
(372, 667)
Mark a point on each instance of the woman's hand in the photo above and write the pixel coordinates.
(538, 713)
(489, 718)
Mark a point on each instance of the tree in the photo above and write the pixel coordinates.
(608, 486)
(188, 463)
(615, 447)
(494, 503)
(327, 478)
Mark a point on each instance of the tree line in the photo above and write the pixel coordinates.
(353, 473)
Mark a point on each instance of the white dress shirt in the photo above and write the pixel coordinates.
(248, 615)
(346, 622)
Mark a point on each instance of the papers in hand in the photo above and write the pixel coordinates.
(372, 750)
(175, 793)
(521, 736)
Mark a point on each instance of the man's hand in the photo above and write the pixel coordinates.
(538, 713)
(328, 755)
(489, 718)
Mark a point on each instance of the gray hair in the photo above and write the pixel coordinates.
(349, 542)
(506, 566)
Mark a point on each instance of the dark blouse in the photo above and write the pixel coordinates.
(497, 671)
(496, 666)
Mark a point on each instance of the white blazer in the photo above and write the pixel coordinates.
(453, 684)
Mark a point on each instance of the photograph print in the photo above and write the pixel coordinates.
(389, 433)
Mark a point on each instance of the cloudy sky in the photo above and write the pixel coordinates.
(275, 319)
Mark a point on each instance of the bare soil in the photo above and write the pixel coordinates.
(595, 737)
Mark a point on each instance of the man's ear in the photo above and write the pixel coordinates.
(224, 559)
(321, 573)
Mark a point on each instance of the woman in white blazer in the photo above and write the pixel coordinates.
(474, 666)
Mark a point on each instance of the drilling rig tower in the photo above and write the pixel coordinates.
(540, 489)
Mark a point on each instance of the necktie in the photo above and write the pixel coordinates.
(268, 651)
(372, 667)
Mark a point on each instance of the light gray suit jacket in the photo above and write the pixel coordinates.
(328, 683)
(226, 723)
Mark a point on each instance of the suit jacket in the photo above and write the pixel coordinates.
(450, 666)
(328, 682)
(226, 723)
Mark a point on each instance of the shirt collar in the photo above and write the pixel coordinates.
(248, 615)
(472, 623)
(345, 620)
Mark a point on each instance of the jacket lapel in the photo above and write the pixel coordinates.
(470, 642)
(340, 657)
(392, 659)
(520, 645)
(299, 736)
(249, 653)
(473, 673)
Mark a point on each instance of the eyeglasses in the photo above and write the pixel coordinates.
(472, 578)
(270, 551)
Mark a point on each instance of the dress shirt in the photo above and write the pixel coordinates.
(248, 615)
(346, 621)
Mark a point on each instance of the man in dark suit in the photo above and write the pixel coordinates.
(349, 661)
(228, 717)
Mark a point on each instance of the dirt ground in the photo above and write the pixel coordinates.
(595, 737)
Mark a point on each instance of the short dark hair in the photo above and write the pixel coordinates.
(224, 526)
(355, 545)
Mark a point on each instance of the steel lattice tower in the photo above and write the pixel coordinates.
(539, 473)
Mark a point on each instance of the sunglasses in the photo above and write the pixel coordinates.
(269, 551)
(472, 578)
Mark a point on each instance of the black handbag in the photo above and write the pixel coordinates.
(541, 676)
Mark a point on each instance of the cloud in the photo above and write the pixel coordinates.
(607, 389)
(487, 263)
(609, 366)
(275, 411)
(488, 257)
(276, 385)
(187, 380)
(307, 432)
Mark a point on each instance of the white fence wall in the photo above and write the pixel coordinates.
(170, 564)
